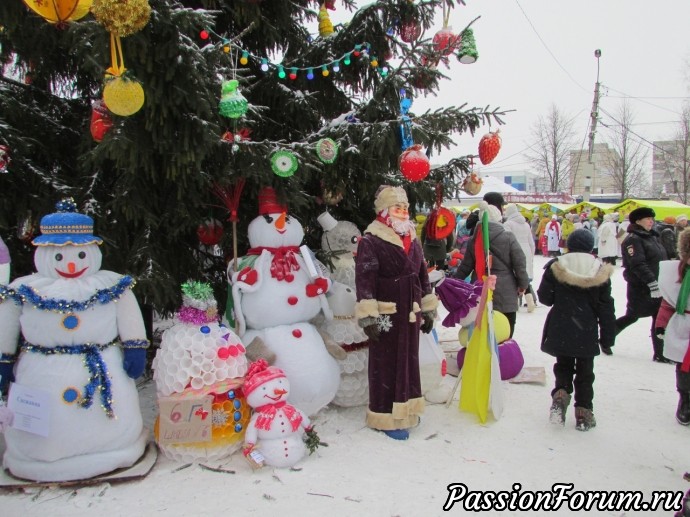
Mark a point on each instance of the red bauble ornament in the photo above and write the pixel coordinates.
(100, 120)
(414, 163)
(489, 146)
(210, 232)
(410, 30)
(440, 223)
(445, 42)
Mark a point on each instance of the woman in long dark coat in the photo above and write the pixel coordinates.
(577, 286)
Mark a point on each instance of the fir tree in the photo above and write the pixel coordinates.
(150, 182)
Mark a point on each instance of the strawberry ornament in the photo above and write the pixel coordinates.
(489, 146)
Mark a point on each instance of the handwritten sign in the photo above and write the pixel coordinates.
(31, 408)
(184, 420)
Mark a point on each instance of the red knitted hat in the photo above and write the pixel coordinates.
(268, 202)
(258, 373)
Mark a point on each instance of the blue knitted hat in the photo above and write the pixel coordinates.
(66, 226)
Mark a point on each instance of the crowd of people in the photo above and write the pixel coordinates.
(576, 284)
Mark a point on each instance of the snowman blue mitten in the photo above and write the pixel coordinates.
(6, 374)
(135, 358)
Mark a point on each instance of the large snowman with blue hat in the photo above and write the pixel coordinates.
(277, 290)
(73, 335)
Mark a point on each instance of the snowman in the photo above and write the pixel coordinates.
(4, 263)
(276, 428)
(340, 238)
(77, 338)
(276, 292)
(201, 357)
(344, 330)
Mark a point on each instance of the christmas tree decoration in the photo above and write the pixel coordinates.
(122, 17)
(410, 29)
(472, 184)
(445, 41)
(489, 145)
(414, 163)
(4, 159)
(327, 150)
(101, 123)
(59, 12)
(325, 24)
(210, 232)
(232, 102)
(406, 139)
(284, 163)
(26, 228)
(122, 95)
(332, 195)
(241, 135)
(467, 50)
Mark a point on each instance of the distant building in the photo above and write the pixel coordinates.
(667, 169)
(595, 177)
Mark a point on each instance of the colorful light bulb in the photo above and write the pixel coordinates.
(264, 64)
(293, 74)
(324, 71)
(336, 66)
(346, 60)
(310, 73)
(245, 58)
(281, 72)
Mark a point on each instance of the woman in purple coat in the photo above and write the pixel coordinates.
(394, 300)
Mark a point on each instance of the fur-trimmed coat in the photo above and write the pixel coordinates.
(577, 287)
(393, 286)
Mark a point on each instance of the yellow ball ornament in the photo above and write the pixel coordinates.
(123, 96)
(501, 330)
(464, 336)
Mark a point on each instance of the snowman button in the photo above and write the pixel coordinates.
(297, 333)
(292, 300)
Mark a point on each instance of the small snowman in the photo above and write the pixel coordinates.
(276, 428)
(4, 263)
(200, 357)
(82, 342)
(340, 238)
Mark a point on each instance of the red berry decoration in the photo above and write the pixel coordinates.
(489, 146)
(414, 163)
(210, 232)
(203, 35)
(445, 41)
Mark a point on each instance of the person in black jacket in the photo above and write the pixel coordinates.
(577, 286)
(642, 253)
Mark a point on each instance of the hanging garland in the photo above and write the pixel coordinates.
(284, 70)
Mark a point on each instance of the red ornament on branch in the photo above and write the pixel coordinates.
(489, 146)
(101, 123)
(210, 232)
(414, 164)
(445, 42)
(410, 30)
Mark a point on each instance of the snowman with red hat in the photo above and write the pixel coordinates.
(277, 290)
(73, 337)
(276, 427)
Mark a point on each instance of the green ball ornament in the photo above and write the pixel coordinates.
(284, 163)
(327, 150)
(232, 102)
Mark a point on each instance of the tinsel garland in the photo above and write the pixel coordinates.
(197, 290)
(136, 343)
(26, 294)
(8, 358)
(93, 360)
(194, 316)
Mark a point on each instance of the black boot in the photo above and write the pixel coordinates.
(683, 411)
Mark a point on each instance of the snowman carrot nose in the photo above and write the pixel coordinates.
(279, 391)
(71, 267)
(280, 222)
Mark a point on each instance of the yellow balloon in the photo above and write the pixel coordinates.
(501, 330)
(501, 327)
(60, 11)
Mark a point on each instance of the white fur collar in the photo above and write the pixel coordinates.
(581, 270)
(385, 232)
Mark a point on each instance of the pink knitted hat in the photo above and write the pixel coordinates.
(258, 373)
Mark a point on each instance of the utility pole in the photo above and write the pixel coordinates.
(592, 133)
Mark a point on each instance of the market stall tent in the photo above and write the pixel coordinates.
(661, 208)
(596, 210)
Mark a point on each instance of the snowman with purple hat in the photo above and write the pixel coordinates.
(73, 334)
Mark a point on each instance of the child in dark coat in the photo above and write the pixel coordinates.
(577, 286)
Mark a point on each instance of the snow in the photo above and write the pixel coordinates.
(637, 445)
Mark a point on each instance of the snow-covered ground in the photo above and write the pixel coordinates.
(636, 446)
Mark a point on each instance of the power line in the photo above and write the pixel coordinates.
(641, 99)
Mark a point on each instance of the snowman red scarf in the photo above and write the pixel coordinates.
(268, 412)
(283, 261)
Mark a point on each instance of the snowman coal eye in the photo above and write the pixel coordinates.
(354, 239)
(268, 218)
(58, 257)
(82, 254)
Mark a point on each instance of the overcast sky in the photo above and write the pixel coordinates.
(534, 53)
